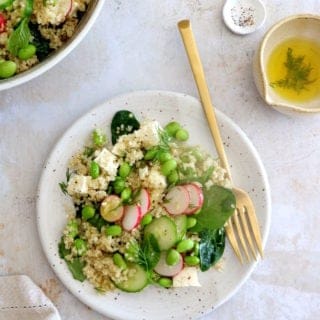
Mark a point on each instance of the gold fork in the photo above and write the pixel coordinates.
(242, 228)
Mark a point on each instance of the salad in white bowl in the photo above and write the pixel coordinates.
(148, 208)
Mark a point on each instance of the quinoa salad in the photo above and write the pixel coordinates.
(148, 208)
(32, 29)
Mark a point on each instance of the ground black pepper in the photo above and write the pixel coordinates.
(243, 16)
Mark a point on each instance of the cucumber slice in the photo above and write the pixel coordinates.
(181, 224)
(164, 230)
(136, 281)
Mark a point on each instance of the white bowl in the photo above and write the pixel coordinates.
(84, 26)
(304, 25)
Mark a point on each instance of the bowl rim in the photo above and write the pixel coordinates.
(262, 70)
(56, 57)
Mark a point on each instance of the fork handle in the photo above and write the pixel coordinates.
(198, 74)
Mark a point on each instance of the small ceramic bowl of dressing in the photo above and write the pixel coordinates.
(286, 65)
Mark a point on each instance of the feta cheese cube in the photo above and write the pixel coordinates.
(187, 277)
(78, 184)
(143, 173)
(148, 134)
(108, 162)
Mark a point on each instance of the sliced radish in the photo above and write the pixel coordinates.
(166, 270)
(131, 218)
(58, 10)
(111, 208)
(144, 200)
(196, 198)
(177, 200)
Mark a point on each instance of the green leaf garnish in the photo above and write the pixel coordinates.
(298, 73)
(20, 37)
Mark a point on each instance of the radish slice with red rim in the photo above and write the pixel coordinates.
(144, 200)
(166, 270)
(196, 198)
(131, 217)
(177, 200)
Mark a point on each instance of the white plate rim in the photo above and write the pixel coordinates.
(220, 115)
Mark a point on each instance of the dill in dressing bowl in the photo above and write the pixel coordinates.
(293, 69)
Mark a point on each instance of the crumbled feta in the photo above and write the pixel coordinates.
(108, 162)
(78, 184)
(187, 277)
(143, 173)
(99, 183)
(155, 180)
(148, 134)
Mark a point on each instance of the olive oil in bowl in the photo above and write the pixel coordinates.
(293, 69)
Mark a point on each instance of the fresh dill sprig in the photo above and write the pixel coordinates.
(63, 185)
(298, 72)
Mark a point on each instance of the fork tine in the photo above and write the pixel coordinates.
(244, 223)
(232, 239)
(255, 227)
(240, 233)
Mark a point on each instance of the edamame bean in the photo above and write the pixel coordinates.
(150, 154)
(124, 170)
(147, 218)
(80, 246)
(88, 212)
(191, 222)
(113, 231)
(118, 185)
(165, 282)
(196, 249)
(168, 166)
(7, 69)
(126, 194)
(191, 260)
(172, 128)
(164, 156)
(119, 261)
(182, 135)
(94, 170)
(173, 177)
(99, 139)
(73, 229)
(27, 52)
(173, 257)
(185, 245)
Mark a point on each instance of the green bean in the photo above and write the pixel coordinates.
(124, 170)
(182, 135)
(7, 69)
(173, 177)
(164, 156)
(80, 246)
(147, 218)
(73, 229)
(172, 128)
(99, 139)
(191, 260)
(173, 257)
(191, 222)
(168, 166)
(118, 185)
(185, 245)
(27, 52)
(113, 231)
(88, 212)
(165, 282)
(119, 261)
(150, 154)
(94, 170)
(126, 194)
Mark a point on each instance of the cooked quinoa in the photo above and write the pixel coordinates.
(46, 25)
(86, 190)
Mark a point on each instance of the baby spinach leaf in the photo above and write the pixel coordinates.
(42, 44)
(20, 37)
(219, 205)
(123, 122)
(211, 247)
(63, 251)
(76, 268)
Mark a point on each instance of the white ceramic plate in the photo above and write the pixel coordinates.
(153, 302)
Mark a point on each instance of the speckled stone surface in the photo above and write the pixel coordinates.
(135, 45)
